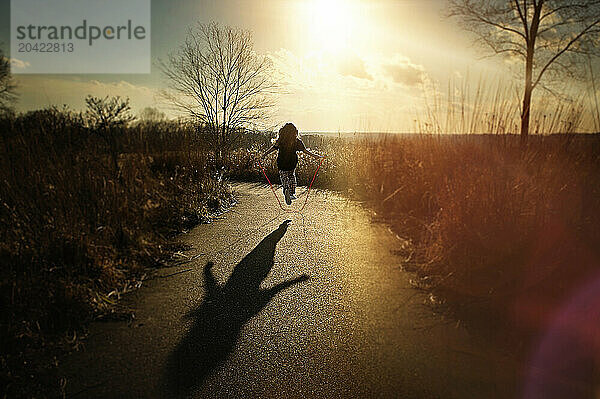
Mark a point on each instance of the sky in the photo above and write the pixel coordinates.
(345, 65)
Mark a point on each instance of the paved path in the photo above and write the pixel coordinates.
(313, 308)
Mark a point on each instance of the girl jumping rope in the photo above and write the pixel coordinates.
(288, 144)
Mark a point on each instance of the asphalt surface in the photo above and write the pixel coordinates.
(316, 307)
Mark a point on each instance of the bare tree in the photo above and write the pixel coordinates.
(108, 111)
(107, 116)
(217, 79)
(7, 85)
(548, 36)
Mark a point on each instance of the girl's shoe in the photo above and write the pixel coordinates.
(288, 196)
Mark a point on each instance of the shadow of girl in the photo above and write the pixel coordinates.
(218, 321)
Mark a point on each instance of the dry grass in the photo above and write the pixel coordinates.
(342, 156)
(493, 224)
(75, 228)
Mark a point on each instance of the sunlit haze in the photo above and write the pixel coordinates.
(343, 65)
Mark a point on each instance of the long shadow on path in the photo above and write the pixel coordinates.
(218, 321)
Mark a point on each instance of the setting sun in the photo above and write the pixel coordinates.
(332, 24)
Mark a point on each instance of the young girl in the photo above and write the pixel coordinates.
(288, 143)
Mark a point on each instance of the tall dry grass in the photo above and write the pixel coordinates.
(501, 231)
(494, 107)
(77, 229)
(496, 228)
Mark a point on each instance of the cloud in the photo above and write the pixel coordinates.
(353, 65)
(18, 64)
(40, 91)
(343, 91)
(402, 70)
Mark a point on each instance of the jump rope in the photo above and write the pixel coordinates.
(294, 211)
(281, 210)
(307, 194)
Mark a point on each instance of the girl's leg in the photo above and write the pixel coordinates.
(285, 177)
(293, 182)
(285, 181)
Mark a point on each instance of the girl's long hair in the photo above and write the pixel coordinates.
(287, 136)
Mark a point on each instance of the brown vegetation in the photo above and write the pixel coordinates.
(78, 228)
(498, 231)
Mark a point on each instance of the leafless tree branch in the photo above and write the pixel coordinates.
(548, 34)
(219, 80)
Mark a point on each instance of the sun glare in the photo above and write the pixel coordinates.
(331, 24)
